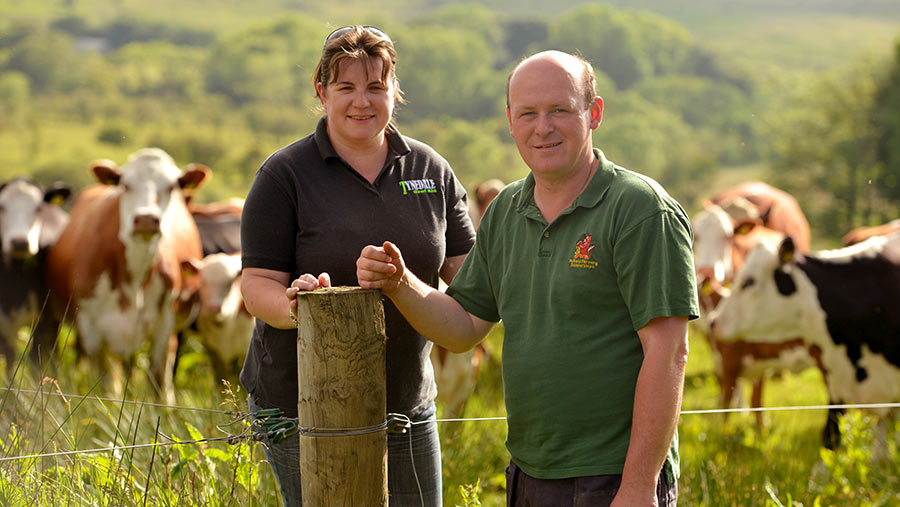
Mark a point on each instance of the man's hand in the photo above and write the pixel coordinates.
(306, 282)
(380, 267)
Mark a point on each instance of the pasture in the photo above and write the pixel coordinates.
(723, 462)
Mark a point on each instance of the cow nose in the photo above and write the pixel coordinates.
(18, 246)
(146, 225)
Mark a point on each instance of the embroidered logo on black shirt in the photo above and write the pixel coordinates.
(418, 186)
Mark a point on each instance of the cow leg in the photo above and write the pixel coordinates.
(831, 435)
(727, 384)
(179, 349)
(44, 342)
(220, 369)
(756, 401)
(9, 352)
(162, 364)
(116, 373)
(727, 374)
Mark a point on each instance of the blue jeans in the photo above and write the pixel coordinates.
(404, 480)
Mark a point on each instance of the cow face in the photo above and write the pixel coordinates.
(21, 202)
(148, 183)
(712, 245)
(220, 292)
(771, 299)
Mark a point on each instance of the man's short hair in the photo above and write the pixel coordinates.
(588, 79)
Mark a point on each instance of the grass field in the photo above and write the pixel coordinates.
(723, 462)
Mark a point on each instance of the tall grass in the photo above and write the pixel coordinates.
(724, 461)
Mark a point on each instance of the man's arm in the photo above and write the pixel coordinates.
(435, 315)
(657, 403)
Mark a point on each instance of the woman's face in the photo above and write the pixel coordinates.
(358, 105)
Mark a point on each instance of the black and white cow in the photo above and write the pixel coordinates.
(844, 303)
(30, 223)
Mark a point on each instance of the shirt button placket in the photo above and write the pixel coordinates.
(545, 248)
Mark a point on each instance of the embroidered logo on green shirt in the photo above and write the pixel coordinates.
(418, 186)
(582, 258)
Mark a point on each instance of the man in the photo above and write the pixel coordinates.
(590, 268)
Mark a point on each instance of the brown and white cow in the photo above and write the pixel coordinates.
(484, 193)
(219, 224)
(30, 223)
(222, 324)
(844, 303)
(777, 209)
(722, 239)
(116, 269)
(735, 208)
(861, 234)
(457, 373)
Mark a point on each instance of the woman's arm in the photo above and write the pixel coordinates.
(451, 267)
(264, 292)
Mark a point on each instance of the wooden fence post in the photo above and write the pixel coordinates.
(341, 373)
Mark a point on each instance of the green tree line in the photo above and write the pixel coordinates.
(75, 87)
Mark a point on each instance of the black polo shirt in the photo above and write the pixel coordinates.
(308, 211)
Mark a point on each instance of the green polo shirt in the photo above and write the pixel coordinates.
(572, 295)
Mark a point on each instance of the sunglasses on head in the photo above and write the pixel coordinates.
(344, 29)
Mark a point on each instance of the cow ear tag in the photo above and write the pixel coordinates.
(786, 250)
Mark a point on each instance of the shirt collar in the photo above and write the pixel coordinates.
(397, 145)
(590, 197)
(599, 184)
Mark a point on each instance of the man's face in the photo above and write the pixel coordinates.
(549, 119)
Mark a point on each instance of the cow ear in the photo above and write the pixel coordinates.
(58, 194)
(194, 175)
(189, 268)
(106, 172)
(786, 251)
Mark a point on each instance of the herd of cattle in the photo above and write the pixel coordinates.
(126, 266)
(770, 304)
(136, 261)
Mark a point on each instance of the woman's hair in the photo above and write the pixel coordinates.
(362, 43)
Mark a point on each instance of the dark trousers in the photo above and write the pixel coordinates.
(522, 490)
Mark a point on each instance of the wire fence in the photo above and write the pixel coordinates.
(271, 424)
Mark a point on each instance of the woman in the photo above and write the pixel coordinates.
(312, 207)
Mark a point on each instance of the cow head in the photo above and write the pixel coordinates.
(148, 184)
(217, 277)
(713, 232)
(739, 208)
(485, 192)
(771, 299)
(21, 217)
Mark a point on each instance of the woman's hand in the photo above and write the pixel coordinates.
(305, 282)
